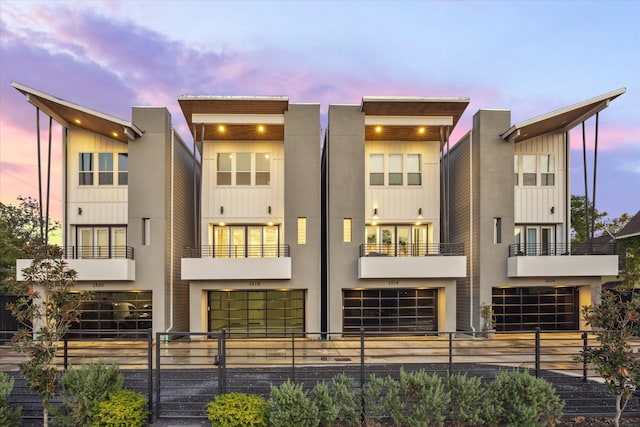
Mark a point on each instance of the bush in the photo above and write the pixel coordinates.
(123, 408)
(518, 399)
(372, 394)
(327, 410)
(343, 392)
(290, 406)
(8, 416)
(468, 398)
(82, 391)
(417, 400)
(238, 410)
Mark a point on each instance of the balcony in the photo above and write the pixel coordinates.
(388, 261)
(94, 263)
(237, 262)
(560, 260)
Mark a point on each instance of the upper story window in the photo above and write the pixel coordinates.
(527, 167)
(376, 169)
(105, 174)
(243, 169)
(86, 169)
(123, 169)
(395, 168)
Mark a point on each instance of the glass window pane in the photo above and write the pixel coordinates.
(346, 230)
(123, 168)
(224, 169)
(515, 169)
(414, 175)
(105, 167)
(529, 169)
(547, 168)
(395, 169)
(243, 169)
(302, 231)
(86, 169)
(376, 169)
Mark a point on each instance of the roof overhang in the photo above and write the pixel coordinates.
(235, 117)
(561, 120)
(69, 114)
(410, 118)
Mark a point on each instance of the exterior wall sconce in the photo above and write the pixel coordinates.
(375, 211)
(269, 210)
(79, 211)
(553, 209)
(221, 210)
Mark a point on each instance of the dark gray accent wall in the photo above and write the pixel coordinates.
(302, 190)
(345, 183)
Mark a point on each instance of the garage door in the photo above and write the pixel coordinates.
(390, 310)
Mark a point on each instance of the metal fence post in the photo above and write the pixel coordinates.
(223, 361)
(158, 371)
(65, 352)
(450, 352)
(537, 352)
(362, 374)
(293, 357)
(585, 343)
(150, 373)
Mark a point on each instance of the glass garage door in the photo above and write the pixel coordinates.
(390, 310)
(524, 309)
(256, 313)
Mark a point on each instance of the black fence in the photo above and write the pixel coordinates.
(412, 250)
(539, 249)
(97, 252)
(181, 372)
(238, 251)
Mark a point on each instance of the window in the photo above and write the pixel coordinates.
(516, 170)
(105, 168)
(243, 169)
(529, 169)
(397, 240)
(395, 169)
(302, 231)
(376, 169)
(86, 169)
(146, 231)
(263, 169)
(414, 175)
(346, 230)
(123, 169)
(497, 230)
(223, 176)
(547, 168)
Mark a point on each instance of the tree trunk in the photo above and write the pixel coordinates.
(616, 420)
(45, 417)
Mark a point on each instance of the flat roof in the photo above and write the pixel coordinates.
(563, 119)
(68, 113)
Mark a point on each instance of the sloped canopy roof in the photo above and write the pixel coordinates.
(632, 228)
(69, 114)
(563, 119)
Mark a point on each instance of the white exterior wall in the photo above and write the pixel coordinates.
(242, 204)
(532, 204)
(100, 204)
(400, 203)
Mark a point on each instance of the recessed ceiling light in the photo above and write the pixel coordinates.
(77, 121)
(221, 128)
(115, 134)
(421, 130)
(260, 128)
(378, 129)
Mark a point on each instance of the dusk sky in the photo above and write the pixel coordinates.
(531, 57)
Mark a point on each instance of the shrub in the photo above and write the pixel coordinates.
(82, 391)
(519, 399)
(343, 392)
(417, 400)
(327, 410)
(372, 394)
(290, 406)
(123, 408)
(238, 410)
(468, 399)
(8, 416)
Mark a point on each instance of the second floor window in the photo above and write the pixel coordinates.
(395, 166)
(123, 169)
(86, 169)
(534, 170)
(243, 169)
(547, 167)
(395, 169)
(105, 175)
(106, 169)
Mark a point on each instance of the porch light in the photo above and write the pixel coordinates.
(221, 128)
(78, 121)
(221, 210)
(261, 129)
(270, 224)
(269, 210)
(378, 129)
(221, 224)
(115, 134)
(421, 130)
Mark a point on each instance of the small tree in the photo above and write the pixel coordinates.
(45, 309)
(616, 321)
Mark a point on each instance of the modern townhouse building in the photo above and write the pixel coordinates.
(255, 268)
(510, 205)
(128, 199)
(388, 265)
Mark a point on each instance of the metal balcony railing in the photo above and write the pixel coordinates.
(402, 250)
(540, 249)
(98, 252)
(238, 251)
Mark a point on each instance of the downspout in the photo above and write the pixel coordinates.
(471, 233)
(171, 256)
(65, 191)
